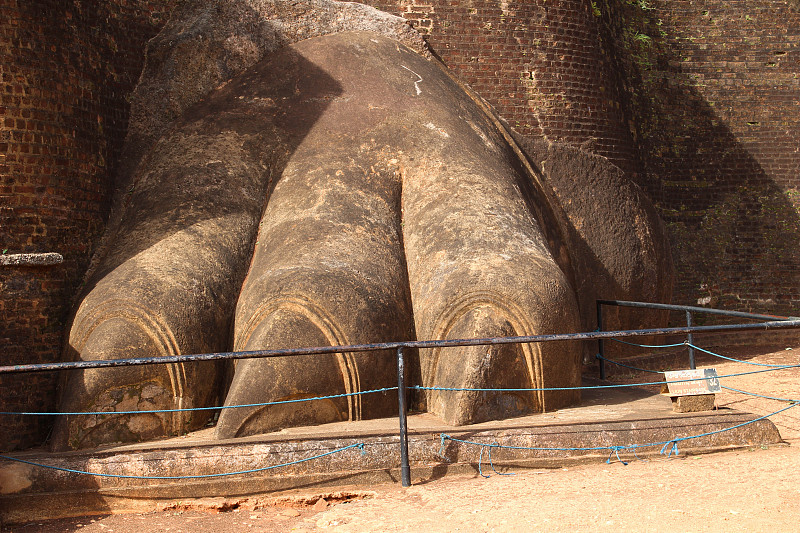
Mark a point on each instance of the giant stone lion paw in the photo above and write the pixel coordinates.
(340, 189)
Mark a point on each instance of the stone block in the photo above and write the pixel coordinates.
(693, 404)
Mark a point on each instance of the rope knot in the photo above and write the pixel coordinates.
(615, 451)
(443, 437)
(485, 446)
(673, 448)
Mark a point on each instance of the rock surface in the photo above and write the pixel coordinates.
(617, 244)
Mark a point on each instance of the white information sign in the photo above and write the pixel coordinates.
(692, 382)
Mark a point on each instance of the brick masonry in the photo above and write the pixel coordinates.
(699, 101)
(715, 97)
(66, 70)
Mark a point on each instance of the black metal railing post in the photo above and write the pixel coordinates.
(600, 351)
(405, 469)
(690, 340)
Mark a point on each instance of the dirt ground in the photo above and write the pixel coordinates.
(745, 490)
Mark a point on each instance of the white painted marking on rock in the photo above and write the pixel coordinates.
(416, 83)
(431, 126)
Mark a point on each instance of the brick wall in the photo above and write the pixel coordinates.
(713, 90)
(66, 69)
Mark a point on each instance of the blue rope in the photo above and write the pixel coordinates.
(598, 356)
(675, 441)
(684, 343)
(668, 447)
(635, 455)
(615, 450)
(480, 461)
(737, 374)
(444, 436)
(153, 411)
(790, 400)
(415, 387)
(483, 445)
(198, 476)
(441, 454)
(489, 455)
(772, 367)
(672, 448)
(614, 386)
(739, 360)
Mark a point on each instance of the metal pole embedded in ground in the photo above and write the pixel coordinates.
(405, 469)
(600, 341)
(690, 340)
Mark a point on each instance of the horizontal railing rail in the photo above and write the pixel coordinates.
(695, 309)
(450, 343)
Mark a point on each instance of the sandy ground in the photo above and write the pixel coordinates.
(745, 490)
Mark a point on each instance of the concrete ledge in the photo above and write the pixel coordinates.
(617, 418)
(46, 259)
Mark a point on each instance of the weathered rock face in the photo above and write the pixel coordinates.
(617, 244)
(335, 187)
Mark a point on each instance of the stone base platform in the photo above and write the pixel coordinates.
(606, 418)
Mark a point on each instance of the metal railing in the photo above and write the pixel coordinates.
(689, 310)
(401, 346)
